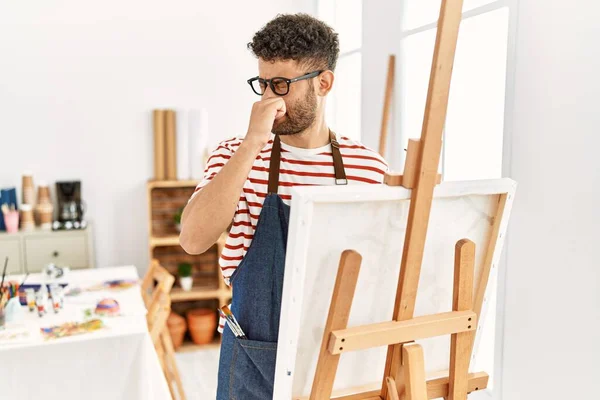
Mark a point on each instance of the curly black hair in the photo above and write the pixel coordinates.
(298, 37)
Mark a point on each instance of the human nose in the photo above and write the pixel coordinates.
(269, 94)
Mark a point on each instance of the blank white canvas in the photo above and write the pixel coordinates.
(372, 219)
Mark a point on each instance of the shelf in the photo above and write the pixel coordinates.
(172, 240)
(172, 184)
(37, 231)
(189, 346)
(198, 293)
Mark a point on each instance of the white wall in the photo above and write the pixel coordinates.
(78, 81)
(381, 37)
(552, 312)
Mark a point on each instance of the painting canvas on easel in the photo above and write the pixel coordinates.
(325, 221)
(385, 286)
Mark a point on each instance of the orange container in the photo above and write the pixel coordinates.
(177, 327)
(202, 323)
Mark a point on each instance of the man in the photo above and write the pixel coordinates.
(248, 181)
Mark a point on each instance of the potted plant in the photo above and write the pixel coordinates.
(185, 276)
(177, 219)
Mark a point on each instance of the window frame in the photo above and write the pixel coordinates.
(332, 120)
(512, 5)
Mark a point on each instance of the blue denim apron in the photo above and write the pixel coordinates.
(247, 366)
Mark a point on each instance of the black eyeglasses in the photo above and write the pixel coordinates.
(280, 86)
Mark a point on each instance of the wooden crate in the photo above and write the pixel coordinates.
(205, 266)
(165, 203)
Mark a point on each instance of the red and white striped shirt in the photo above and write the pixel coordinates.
(299, 167)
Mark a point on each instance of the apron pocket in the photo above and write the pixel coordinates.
(252, 370)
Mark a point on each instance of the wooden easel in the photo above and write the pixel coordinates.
(387, 104)
(158, 302)
(404, 376)
(408, 178)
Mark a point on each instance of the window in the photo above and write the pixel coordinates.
(473, 133)
(474, 123)
(344, 102)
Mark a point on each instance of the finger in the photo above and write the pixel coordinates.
(280, 107)
(270, 100)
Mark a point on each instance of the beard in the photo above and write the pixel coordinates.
(299, 117)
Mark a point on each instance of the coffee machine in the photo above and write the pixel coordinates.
(70, 206)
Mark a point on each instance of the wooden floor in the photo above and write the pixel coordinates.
(198, 371)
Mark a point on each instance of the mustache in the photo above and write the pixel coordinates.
(299, 116)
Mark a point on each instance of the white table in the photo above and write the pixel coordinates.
(118, 362)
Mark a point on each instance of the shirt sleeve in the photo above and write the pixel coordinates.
(216, 161)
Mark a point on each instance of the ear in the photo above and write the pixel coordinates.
(325, 85)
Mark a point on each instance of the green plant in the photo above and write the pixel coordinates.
(177, 215)
(184, 270)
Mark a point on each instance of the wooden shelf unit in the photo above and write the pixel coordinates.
(156, 241)
(172, 184)
(164, 199)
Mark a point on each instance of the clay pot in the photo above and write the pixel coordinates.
(202, 323)
(177, 327)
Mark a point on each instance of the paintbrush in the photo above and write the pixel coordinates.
(2, 292)
(237, 331)
(4, 273)
(26, 275)
(231, 317)
(232, 326)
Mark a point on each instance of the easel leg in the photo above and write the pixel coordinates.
(339, 312)
(162, 356)
(460, 347)
(391, 385)
(397, 369)
(172, 363)
(427, 166)
(414, 372)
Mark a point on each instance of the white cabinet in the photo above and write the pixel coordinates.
(32, 251)
(11, 248)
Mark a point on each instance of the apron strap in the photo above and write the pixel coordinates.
(274, 166)
(338, 163)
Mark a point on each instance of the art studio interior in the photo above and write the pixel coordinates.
(299, 199)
